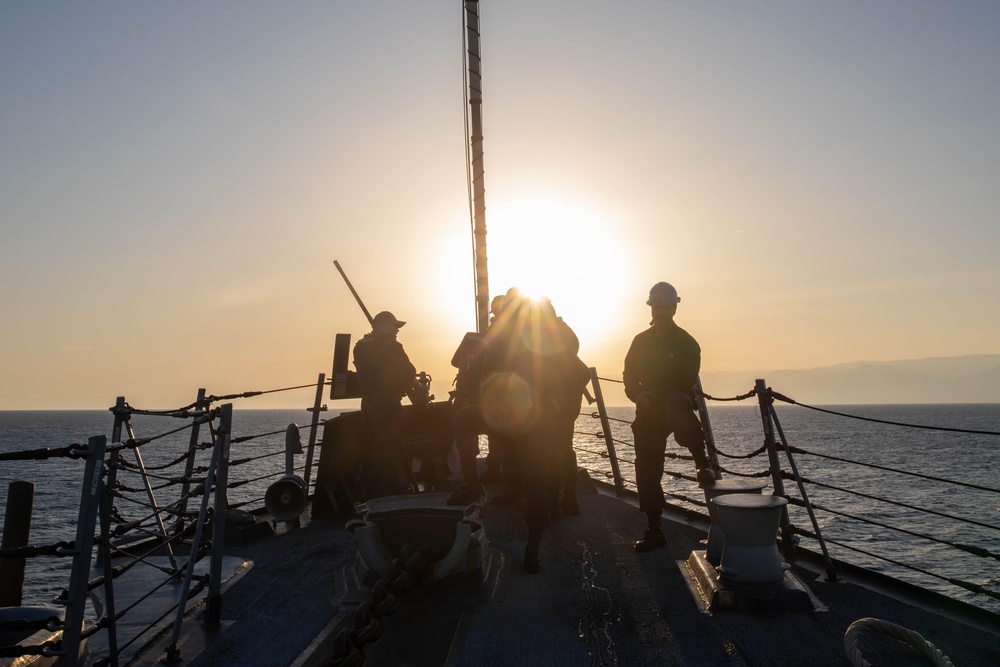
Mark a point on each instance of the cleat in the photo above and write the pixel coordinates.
(653, 539)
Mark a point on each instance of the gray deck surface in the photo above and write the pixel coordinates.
(596, 602)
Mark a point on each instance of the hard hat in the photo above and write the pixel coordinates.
(662, 294)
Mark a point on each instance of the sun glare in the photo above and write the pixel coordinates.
(560, 247)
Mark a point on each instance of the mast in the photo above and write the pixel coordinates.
(478, 185)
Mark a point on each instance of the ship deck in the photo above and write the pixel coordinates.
(596, 602)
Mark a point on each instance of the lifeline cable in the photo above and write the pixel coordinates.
(781, 397)
(974, 550)
(788, 476)
(798, 450)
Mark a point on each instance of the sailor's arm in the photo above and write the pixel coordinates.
(633, 386)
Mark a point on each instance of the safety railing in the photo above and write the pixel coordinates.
(156, 521)
(934, 539)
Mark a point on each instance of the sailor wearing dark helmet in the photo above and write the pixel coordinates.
(661, 369)
(384, 375)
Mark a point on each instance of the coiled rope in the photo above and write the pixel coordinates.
(908, 637)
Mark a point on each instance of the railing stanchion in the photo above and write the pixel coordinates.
(104, 556)
(706, 427)
(608, 439)
(831, 571)
(173, 653)
(152, 497)
(764, 399)
(83, 547)
(213, 610)
(317, 408)
(200, 404)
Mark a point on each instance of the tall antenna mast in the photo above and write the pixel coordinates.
(478, 185)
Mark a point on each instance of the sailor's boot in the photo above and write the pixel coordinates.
(705, 475)
(570, 505)
(470, 491)
(654, 538)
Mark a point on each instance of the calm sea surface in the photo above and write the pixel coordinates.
(972, 516)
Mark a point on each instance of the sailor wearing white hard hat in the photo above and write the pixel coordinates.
(661, 369)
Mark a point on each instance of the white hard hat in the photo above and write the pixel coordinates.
(662, 294)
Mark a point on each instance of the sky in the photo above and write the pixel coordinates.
(817, 179)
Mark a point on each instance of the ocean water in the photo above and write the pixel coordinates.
(973, 515)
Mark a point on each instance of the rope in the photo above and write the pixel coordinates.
(908, 637)
(597, 415)
(786, 475)
(74, 451)
(798, 450)
(974, 588)
(251, 394)
(968, 548)
(741, 397)
(245, 438)
(233, 506)
(134, 443)
(780, 397)
(734, 473)
(50, 623)
(603, 453)
(185, 412)
(687, 499)
(127, 410)
(760, 450)
(233, 485)
(60, 549)
(235, 462)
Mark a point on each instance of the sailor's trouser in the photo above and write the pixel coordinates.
(467, 425)
(535, 450)
(566, 465)
(674, 414)
(383, 472)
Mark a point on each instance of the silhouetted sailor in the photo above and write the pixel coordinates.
(385, 374)
(517, 403)
(661, 369)
(468, 421)
(568, 377)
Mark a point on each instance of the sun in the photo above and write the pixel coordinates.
(563, 247)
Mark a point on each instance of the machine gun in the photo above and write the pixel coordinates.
(345, 384)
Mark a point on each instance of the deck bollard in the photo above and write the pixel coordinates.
(16, 528)
(750, 525)
(716, 540)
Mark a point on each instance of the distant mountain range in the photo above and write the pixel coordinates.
(973, 378)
